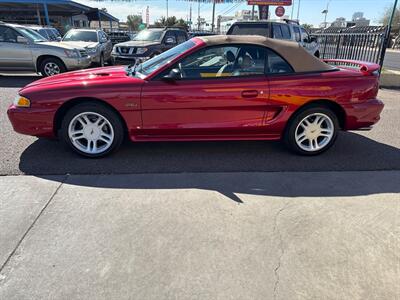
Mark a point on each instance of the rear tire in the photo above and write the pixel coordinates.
(312, 130)
(51, 66)
(92, 130)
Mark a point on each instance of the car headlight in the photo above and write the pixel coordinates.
(141, 50)
(71, 53)
(21, 101)
(91, 50)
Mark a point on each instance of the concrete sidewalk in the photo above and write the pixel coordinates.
(311, 235)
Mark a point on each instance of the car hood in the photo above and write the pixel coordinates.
(137, 44)
(60, 45)
(80, 44)
(88, 77)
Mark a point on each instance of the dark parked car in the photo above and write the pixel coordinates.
(117, 37)
(147, 44)
(286, 30)
(200, 33)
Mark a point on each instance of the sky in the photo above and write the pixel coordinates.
(310, 10)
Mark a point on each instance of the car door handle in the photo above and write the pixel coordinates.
(250, 94)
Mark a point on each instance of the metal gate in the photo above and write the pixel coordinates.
(356, 43)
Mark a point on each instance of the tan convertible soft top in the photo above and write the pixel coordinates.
(296, 56)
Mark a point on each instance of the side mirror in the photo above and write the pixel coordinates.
(170, 41)
(173, 75)
(313, 39)
(22, 40)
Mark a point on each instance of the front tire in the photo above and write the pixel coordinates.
(51, 66)
(312, 131)
(92, 130)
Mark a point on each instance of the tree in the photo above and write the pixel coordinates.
(171, 21)
(161, 22)
(134, 21)
(182, 23)
(386, 16)
(307, 27)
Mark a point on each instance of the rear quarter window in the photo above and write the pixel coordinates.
(276, 64)
(297, 33)
(286, 35)
(277, 32)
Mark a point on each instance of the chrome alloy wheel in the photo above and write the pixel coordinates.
(51, 69)
(314, 132)
(91, 133)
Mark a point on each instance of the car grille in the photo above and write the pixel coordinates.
(83, 53)
(126, 50)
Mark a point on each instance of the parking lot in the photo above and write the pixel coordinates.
(201, 220)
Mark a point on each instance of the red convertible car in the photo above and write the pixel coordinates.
(208, 88)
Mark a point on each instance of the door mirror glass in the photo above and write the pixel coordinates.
(173, 75)
(22, 40)
(170, 41)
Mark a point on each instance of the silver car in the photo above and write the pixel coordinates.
(22, 49)
(96, 42)
(49, 33)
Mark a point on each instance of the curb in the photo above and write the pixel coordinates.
(390, 80)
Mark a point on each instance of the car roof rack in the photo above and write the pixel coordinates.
(288, 21)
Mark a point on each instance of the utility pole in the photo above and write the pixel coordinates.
(291, 15)
(147, 17)
(167, 9)
(252, 13)
(387, 35)
(298, 11)
(198, 17)
(326, 12)
(190, 16)
(213, 17)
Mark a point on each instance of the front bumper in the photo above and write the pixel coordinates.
(36, 122)
(364, 114)
(77, 63)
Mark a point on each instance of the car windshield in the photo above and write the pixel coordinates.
(148, 35)
(80, 35)
(166, 57)
(31, 34)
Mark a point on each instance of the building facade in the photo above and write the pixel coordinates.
(61, 14)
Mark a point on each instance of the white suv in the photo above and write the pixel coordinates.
(287, 30)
